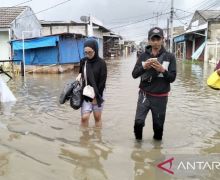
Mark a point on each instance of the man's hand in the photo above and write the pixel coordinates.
(147, 64)
(157, 66)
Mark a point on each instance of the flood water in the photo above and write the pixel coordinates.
(41, 139)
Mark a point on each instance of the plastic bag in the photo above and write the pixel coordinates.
(5, 93)
(76, 96)
(66, 93)
(213, 81)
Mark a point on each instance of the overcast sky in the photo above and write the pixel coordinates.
(117, 14)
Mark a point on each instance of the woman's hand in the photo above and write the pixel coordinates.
(78, 78)
(94, 101)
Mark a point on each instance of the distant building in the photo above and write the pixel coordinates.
(176, 31)
(56, 27)
(59, 27)
(201, 39)
(15, 21)
(129, 47)
(112, 44)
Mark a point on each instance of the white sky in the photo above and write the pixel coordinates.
(114, 13)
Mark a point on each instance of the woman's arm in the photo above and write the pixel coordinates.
(103, 77)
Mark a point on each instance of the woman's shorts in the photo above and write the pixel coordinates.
(88, 107)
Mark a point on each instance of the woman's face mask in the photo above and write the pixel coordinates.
(89, 52)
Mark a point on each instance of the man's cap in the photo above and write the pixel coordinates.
(155, 31)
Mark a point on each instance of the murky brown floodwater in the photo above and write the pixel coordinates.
(41, 140)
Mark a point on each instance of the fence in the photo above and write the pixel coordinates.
(10, 67)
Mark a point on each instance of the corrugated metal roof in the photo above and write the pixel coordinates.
(8, 14)
(210, 14)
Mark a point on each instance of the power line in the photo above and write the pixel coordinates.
(46, 9)
(7, 8)
(206, 4)
(184, 17)
(183, 10)
(22, 3)
(215, 3)
(207, 8)
(116, 27)
(121, 20)
(198, 5)
(185, 24)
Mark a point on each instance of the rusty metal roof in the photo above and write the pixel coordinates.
(8, 14)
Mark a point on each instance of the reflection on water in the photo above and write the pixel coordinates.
(52, 146)
(146, 160)
(87, 156)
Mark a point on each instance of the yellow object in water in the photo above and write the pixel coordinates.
(213, 80)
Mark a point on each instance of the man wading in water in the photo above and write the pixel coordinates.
(157, 69)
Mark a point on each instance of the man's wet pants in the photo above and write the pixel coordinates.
(157, 105)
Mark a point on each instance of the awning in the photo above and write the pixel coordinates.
(185, 36)
(35, 43)
(179, 38)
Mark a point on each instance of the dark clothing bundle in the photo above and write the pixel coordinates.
(151, 80)
(72, 92)
(96, 72)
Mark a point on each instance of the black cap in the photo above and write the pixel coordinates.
(155, 31)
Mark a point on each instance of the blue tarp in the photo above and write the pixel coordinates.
(59, 50)
(71, 50)
(35, 43)
(39, 56)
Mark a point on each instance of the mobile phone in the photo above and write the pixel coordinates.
(154, 59)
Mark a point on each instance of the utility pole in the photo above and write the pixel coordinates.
(171, 26)
(90, 27)
(168, 35)
(23, 62)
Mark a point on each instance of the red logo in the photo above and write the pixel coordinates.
(165, 162)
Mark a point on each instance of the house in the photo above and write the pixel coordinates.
(16, 23)
(201, 39)
(59, 27)
(84, 28)
(54, 50)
